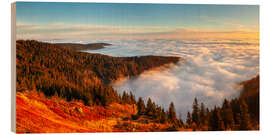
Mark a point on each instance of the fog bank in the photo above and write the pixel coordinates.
(211, 70)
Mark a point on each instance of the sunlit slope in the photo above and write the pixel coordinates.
(37, 114)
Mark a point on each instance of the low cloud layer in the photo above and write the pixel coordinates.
(65, 31)
(210, 72)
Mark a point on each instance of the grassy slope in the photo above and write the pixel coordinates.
(38, 114)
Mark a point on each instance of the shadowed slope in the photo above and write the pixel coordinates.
(78, 47)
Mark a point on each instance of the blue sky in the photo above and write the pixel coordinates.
(42, 15)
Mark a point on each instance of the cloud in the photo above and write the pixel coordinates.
(210, 72)
(230, 24)
(84, 32)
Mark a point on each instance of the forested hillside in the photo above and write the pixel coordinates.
(241, 113)
(76, 75)
(251, 95)
(79, 47)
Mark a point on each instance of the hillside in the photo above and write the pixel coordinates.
(77, 75)
(79, 47)
(62, 116)
(251, 94)
(64, 76)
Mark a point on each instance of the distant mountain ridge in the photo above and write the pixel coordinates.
(78, 46)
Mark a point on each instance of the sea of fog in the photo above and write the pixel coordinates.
(210, 71)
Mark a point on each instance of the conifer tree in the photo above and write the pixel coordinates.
(150, 107)
(172, 114)
(132, 98)
(245, 123)
(164, 117)
(227, 115)
(189, 119)
(158, 113)
(216, 122)
(202, 115)
(125, 99)
(195, 112)
(141, 106)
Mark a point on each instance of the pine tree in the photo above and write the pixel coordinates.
(172, 114)
(245, 123)
(195, 112)
(125, 99)
(207, 117)
(216, 123)
(132, 98)
(227, 115)
(141, 106)
(164, 117)
(150, 107)
(189, 119)
(202, 115)
(158, 113)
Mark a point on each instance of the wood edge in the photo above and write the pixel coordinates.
(13, 67)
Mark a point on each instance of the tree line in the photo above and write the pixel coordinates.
(240, 113)
(232, 115)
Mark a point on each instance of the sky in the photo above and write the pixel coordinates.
(82, 21)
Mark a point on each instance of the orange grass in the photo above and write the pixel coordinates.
(38, 114)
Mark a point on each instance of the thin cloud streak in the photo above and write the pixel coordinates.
(85, 32)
